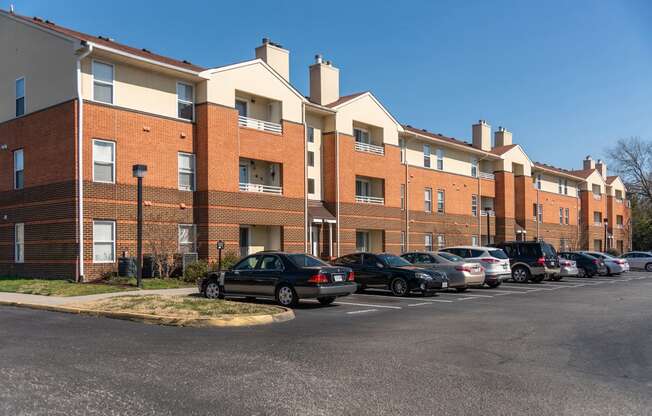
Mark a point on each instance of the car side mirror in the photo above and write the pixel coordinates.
(380, 265)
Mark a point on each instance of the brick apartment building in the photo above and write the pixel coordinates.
(236, 153)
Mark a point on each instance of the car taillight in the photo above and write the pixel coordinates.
(620, 261)
(541, 261)
(490, 260)
(565, 263)
(463, 269)
(350, 277)
(318, 278)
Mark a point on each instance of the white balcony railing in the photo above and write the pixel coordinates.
(263, 189)
(619, 200)
(369, 148)
(487, 175)
(491, 213)
(369, 200)
(597, 197)
(253, 123)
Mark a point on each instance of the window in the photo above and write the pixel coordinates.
(474, 167)
(103, 161)
(567, 211)
(362, 241)
(19, 169)
(537, 214)
(440, 159)
(537, 183)
(597, 218)
(311, 186)
(427, 241)
(597, 245)
(561, 216)
(402, 196)
(619, 195)
(619, 220)
(426, 155)
(186, 171)
(440, 201)
(248, 263)
(103, 82)
(20, 97)
(270, 262)
(474, 240)
(19, 243)
(427, 199)
(474, 205)
(401, 144)
(362, 187)
(311, 159)
(103, 241)
(561, 186)
(402, 241)
(441, 242)
(187, 238)
(185, 100)
(241, 106)
(596, 190)
(565, 186)
(361, 136)
(311, 135)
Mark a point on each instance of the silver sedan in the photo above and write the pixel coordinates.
(461, 274)
(639, 260)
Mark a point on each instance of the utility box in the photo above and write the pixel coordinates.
(127, 267)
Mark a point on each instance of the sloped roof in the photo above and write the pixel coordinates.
(438, 136)
(611, 179)
(345, 98)
(584, 173)
(107, 42)
(501, 150)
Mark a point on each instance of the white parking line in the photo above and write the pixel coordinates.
(439, 300)
(367, 304)
(362, 311)
(419, 304)
(526, 288)
(507, 292)
(466, 298)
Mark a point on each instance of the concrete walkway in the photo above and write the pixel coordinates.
(7, 297)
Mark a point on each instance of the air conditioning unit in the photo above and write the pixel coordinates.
(187, 259)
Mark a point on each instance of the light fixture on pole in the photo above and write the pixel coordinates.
(139, 172)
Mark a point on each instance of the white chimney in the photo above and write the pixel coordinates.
(588, 163)
(275, 56)
(503, 137)
(324, 82)
(482, 135)
(601, 166)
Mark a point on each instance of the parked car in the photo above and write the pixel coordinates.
(493, 260)
(568, 268)
(587, 265)
(461, 274)
(388, 271)
(614, 265)
(639, 260)
(531, 260)
(285, 277)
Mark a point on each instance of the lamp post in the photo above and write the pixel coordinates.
(139, 172)
(606, 234)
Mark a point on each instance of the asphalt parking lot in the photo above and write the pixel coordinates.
(576, 347)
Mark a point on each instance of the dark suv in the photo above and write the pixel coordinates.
(531, 260)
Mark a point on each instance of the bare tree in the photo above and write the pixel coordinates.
(631, 159)
(162, 244)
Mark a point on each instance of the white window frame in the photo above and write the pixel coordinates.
(561, 216)
(113, 241)
(24, 96)
(443, 201)
(427, 242)
(365, 184)
(313, 186)
(112, 83)
(194, 235)
(567, 216)
(362, 130)
(402, 191)
(192, 171)
(540, 211)
(537, 183)
(440, 159)
(474, 240)
(246, 103)
(179, 100)
(113, 170)
(310, 134)
(20, 152)
(365, 238)
(427, 200)
(561, 186)
(474, 167)
(311, 164)
(19, 243)
(441, 241)
(402, 242)
(427, 156)
(401, 145)
(474, 205)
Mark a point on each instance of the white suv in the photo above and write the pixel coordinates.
(494, 260)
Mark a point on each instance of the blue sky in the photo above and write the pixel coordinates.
(563, 76)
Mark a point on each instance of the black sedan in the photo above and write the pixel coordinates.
(587, 265)
(285, 277)
(388, 271)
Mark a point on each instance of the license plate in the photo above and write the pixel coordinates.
(444, 284)
(338, 277)
(504, 267)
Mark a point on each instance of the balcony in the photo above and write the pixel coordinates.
(263, 189)
(262, 125)
(369, 148)
(488, 213)
(597, 197)
(362, 199)
(619, 200)
(487, 175)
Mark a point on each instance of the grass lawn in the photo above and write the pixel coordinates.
(178, 306)
(67, 288)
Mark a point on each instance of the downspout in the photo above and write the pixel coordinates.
(306, 230)
(80, 160)
(337, 188)
(406, 203)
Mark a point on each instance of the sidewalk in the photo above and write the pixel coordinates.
(7, 297)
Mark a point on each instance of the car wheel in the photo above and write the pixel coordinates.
(461, 289)
(327, 300)
(648, 267)
(212, 290)
(581, 272)
(520, 274)
(286, 296)
(494, 285)
(399, 287)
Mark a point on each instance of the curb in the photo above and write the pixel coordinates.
(224, 321)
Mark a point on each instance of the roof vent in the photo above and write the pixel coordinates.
(38, 19)
(319, 59)
(106, 38)
(11, 8)
(146, 50)
(185, 61)
(49, 22)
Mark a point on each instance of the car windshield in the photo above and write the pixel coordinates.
(449, 256)
(548, 250)
(393, 260)
(305, 260)
(498, 253)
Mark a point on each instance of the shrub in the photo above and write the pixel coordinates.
(613, 252)
(228, 261)
(195, 271)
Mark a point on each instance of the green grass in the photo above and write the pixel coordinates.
(67, 288)
(178, 306)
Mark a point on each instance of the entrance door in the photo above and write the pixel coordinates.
(314, 235)
(244, 241)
